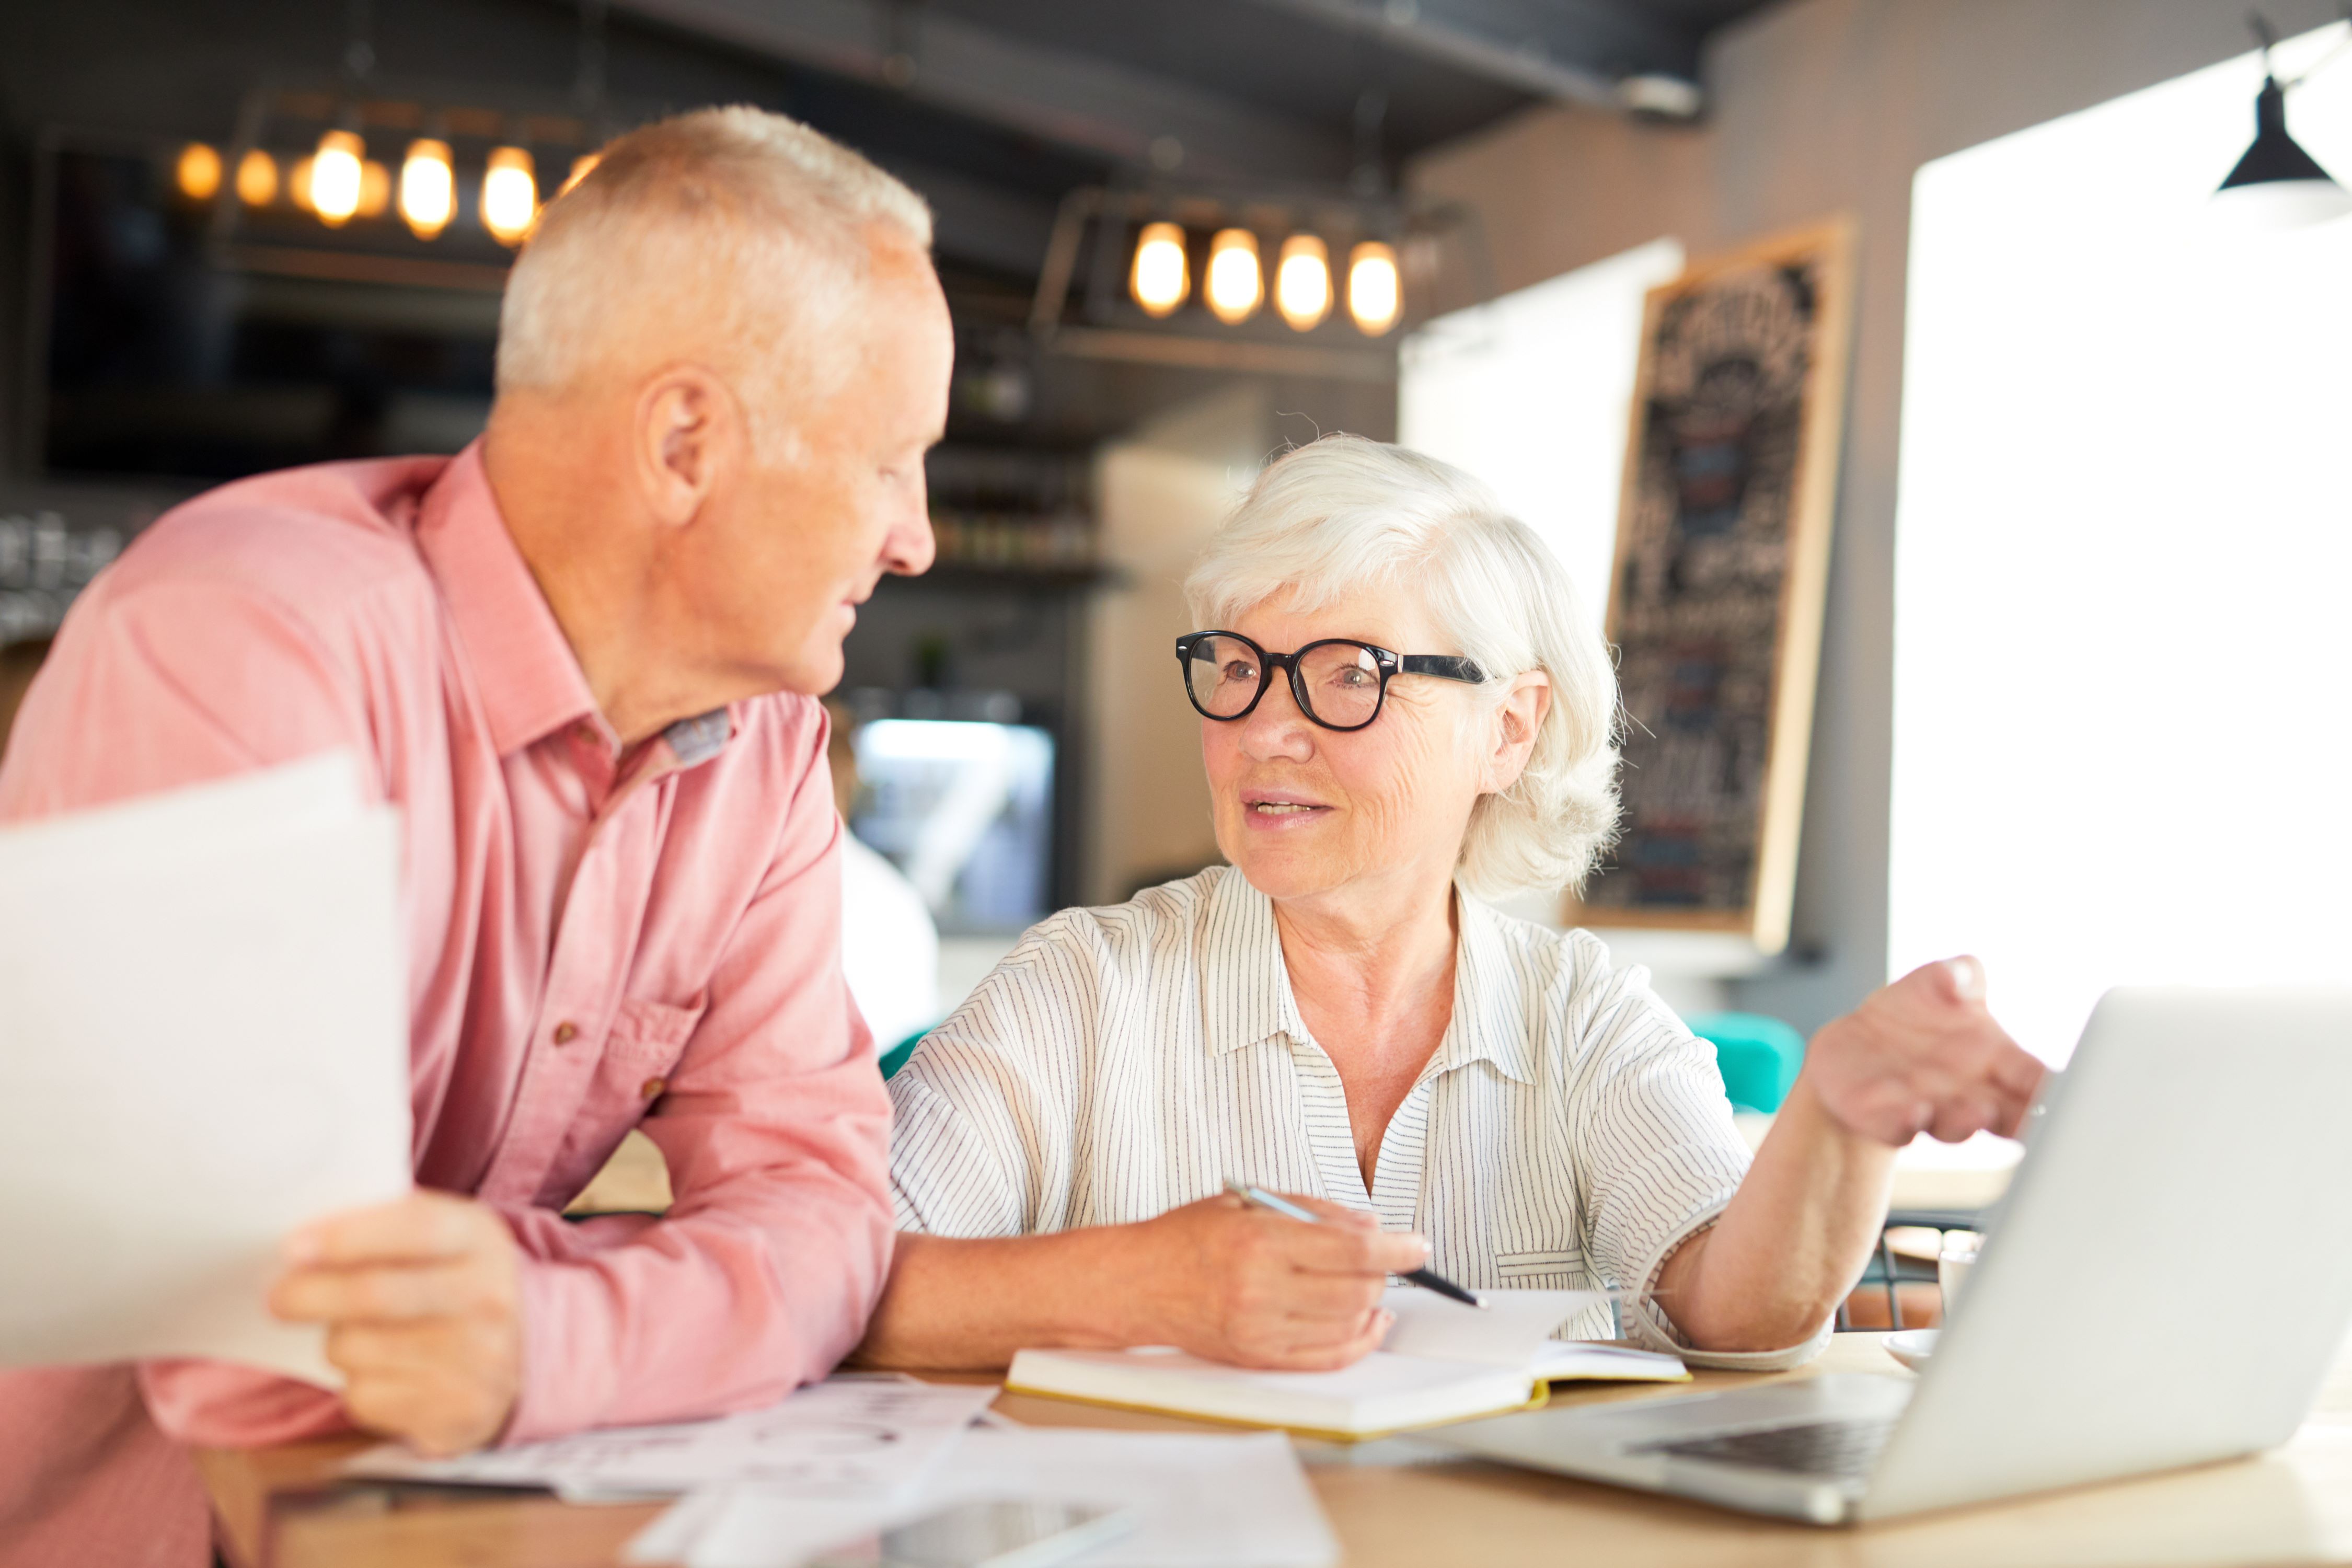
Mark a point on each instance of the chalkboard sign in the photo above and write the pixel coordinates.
(1715, 604)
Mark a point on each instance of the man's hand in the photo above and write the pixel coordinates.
(1237, 1284)
(422, 1303)
(1922, 1056)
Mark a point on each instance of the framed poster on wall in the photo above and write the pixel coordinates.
(1714, 602)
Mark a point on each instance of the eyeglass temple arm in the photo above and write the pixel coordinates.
(1445, 666)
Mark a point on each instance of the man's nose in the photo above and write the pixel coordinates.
(909, 548)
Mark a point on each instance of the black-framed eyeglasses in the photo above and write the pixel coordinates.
(1338, 682)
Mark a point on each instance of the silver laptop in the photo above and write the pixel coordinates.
(2166, 1283)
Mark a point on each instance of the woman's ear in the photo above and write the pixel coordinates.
(1518, 719)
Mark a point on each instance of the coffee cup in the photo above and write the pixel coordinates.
(1953, 1261)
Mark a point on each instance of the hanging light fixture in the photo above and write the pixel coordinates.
(1160, 278)
(2277, 185)
(509, 195)
(256, 178)
(1235, 286)
(1375, 293)
(336, 173)
(375, 189)
(428, 187)
(1302, 282)
(197, 172)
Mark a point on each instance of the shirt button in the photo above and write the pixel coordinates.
(565, 1033)
(651, 1088)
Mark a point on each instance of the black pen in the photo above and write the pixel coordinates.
(1427, 1279)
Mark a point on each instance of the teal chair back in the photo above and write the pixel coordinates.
(896, 1056)
(1759, 1056)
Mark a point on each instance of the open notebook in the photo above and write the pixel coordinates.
(1441, 1361)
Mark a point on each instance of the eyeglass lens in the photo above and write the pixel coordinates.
(1341, 681)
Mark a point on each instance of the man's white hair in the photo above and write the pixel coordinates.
(1346, 515)
(755, 225)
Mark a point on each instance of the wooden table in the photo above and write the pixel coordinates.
(1402, 1502)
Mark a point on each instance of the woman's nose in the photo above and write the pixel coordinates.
(1275, 729)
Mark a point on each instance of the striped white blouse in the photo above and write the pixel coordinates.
(1121, 1062)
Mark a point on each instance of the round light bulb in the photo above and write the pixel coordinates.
(297, 184)
(581, 167)
(1375, 294)
(2276, 207)
(1302, 282)
(509, 195)
(198, 172)
(1235, 286)
(1160, 278)
(336, 175)
(428, 190)
(256, 178)
(375, 189)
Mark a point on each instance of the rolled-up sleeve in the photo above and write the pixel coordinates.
(775, 1126)
(983, 1140)
(1657, 1155)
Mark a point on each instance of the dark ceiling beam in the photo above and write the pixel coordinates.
(1111, 111)
(1590, 52)
(972, 220)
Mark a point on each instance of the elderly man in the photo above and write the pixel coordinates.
(583, 659)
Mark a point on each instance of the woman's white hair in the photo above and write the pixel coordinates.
(1347, 515)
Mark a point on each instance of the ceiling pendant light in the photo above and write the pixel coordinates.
(1233, 287)
(375, 189)
(2277, 185)
(1375, 293)
(1160, 278)
(509, 195)
(1302, 282)
(198, 172)
(336, 176)
(429, 189)
(256, 178)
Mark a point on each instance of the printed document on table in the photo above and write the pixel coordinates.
(849, 1438)
(203, 1018)
(1200, 1501)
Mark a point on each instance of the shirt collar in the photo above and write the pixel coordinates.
(1246, 995)
(531, 684)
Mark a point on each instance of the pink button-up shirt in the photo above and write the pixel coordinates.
(597, 940)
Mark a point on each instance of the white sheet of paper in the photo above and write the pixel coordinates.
(1201, 1502)
(203, 1016)
(1583, 1361)
(1509, 1331)
(849, 1438)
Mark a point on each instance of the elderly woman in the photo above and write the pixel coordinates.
(1400, 707)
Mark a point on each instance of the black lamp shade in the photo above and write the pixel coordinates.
(2274, 157)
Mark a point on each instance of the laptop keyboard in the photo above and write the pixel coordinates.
(1841, 1448)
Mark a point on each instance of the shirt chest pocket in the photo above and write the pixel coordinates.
(648, 1038)
(1545, 1269)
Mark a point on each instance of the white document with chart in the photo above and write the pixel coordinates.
(203, 1028)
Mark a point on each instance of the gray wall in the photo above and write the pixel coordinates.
(1821, 106)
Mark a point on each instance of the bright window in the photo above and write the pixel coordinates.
(1533, 394)
(2122, 710)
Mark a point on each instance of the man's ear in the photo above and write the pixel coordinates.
(688, 439)
(1517, 720)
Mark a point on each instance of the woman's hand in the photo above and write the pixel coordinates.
(1232, 1283)
(1923, 1055)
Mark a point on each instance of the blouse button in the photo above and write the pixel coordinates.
(566, 1032)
